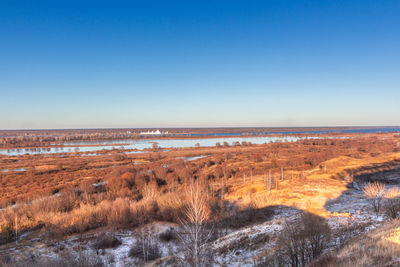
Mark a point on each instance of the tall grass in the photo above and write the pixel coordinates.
(69, 214)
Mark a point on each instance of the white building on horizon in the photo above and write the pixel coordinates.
(157, 132)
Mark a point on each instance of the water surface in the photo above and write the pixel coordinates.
(90, 146)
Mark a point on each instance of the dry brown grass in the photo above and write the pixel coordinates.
(137, 194)
(47, 175)
(121, 212)
(309, 193)
(380, 247)
(72, 213)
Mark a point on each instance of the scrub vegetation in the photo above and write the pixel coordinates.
(204, 201)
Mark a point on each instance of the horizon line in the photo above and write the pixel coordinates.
(199, 127)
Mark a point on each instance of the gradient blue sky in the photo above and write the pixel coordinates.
(80, 64)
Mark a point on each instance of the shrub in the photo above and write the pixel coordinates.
(65, 259)
(167, 235)
(375, 192)
(120, 181)
(145, 248)
(120, 213)
(104, 241)
(300, 243)
(7, 234)
(392, 202)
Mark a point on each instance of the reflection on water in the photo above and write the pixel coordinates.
(192, 158)
(14, 170)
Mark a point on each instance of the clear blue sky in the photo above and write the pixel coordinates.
(78, 64)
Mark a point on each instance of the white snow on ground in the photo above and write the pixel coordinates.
(238, 248)
(351, 209)
(118, 256)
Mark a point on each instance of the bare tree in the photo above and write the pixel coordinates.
(301, 242)
(195, 233)
(250, 168)
(268, 181)
(375, 192)
(145, 248)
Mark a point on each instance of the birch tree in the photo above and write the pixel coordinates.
(195, 233)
